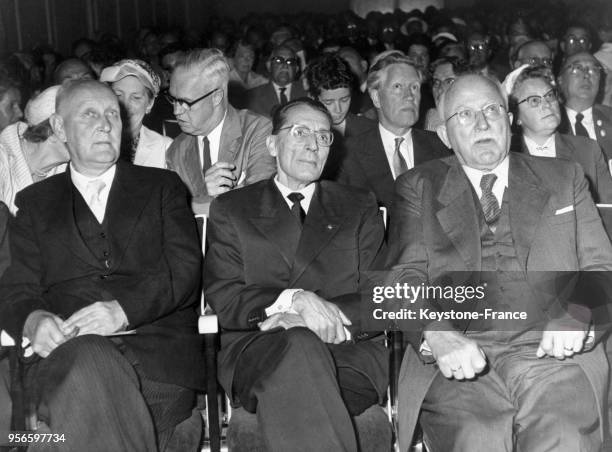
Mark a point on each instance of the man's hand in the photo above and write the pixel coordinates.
(562, 338)
(284, 320)
(457, 356)
(325, 319)
(46, 332)
(102, 318)
(219, 178)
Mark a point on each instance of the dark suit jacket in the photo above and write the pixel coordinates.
(436, 231)
(588, 154)
(154, 271)
(366, 164)
(243, 143)
(602, 117)
(263, 99)
(249, 262)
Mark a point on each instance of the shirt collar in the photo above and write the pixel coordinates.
(80, 180)
(501, 171)
(588, 115)
(388, 136)
(287, 90)
(547, 148)
(307, 192)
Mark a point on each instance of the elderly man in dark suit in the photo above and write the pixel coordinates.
(514, 223)
(103, 284)
(283, 66)
(286, 261)
(376, 158)
(221, 148)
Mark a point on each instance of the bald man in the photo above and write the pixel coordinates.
(103, 284)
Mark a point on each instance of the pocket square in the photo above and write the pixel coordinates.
(564, 210)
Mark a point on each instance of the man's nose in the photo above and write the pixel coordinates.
(481, 121)
(177, 109)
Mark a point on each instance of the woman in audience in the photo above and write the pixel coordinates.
(136, 86)
(534, 103)
(331, 82)
(443, 73)
(10, 100)
(30, 151)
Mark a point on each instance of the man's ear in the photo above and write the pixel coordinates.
(218, 97)
(374, 96)
(271, 145)
(57, 124)
(441, 131)
(268, 66)
(511, 118)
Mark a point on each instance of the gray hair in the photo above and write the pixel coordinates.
(490, 80)
(209, 63)
(385, 59)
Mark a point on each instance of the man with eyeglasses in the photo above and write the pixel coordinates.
(508, 224)
(283, 66)
(579, 82)
(377, 157)
(533, 53)
(286, 260)
(221, 148)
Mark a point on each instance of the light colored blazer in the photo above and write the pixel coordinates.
(436, 231)
(151, 150)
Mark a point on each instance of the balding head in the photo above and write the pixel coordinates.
(72, 69)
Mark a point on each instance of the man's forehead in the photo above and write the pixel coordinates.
(283, 52)
(187, 82)
(303, 114)
(472, 91)
(401, 70)
(580, 58)
(576, 31)
(87, 95)
(535, 49)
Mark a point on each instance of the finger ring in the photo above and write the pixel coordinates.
(568, 348)
(455, 370)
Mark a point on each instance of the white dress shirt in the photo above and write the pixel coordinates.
(214, 142)
(501, 171)
(587, 121)
(546, 150)
(406, 149)
(80, 181)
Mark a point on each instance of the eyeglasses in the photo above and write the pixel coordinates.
(572, 40)
(302, 133)
(535, 101)
(478, 47)
(184, 103)
(537, 61)
(437, 83)
(288, 61)
(467, 116)
(579, 69)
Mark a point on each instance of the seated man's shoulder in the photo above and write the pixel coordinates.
(243, 198)
(252, 121)
(348, 195)
(604, 110)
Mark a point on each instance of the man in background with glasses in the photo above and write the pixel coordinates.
(507, 223)
(221, 148)
(283, 66)
(533, 53)
(579, 83)
(286, 261)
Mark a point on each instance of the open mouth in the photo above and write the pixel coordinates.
(484, 141)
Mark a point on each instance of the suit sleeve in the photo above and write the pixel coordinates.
(603, 184)
(238, 304)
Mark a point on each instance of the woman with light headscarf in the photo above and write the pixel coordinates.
(534, 102)
(137, 85)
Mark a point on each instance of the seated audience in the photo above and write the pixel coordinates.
(284, 283)
(283, 66)
(136, 86)
(221, 148)
(499, 218)
(241, 76)
(103, 283)
(30, 151)
(360, 100)
(533, 53)
(444, 72)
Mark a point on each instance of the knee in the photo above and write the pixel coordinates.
(491, 432)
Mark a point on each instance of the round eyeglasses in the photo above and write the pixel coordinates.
(302, 133)
(467, 116)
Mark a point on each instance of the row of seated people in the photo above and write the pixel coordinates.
(108, 247)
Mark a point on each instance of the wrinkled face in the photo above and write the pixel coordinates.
(188, 84)
(90, 125)
(420, 55)
(535, 53)
(443, 78)
(299, 161)
(135, 99)
(543, 119)
(337, 101)
(244, 59)
(579, 78)
(486, 142)
(10, 111)
(576, 40)
(283, 66)
(397, 99)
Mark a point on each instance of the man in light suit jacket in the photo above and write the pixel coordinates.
(220, 148)
(374, 159)
(287, 259)
(104, 283)
(283, 66)
(579, 83)
(514, 223)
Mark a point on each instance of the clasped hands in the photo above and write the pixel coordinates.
(309, 310)
(47, 331)
(460, 357)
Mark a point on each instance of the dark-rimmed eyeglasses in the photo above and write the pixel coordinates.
(579, 69)
(302, 133)
(535, 101)
(467, 116)
(184, 103)
(291, 62)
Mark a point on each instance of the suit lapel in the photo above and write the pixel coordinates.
(603, 131)
(190, 161)
(275, 222)
(458, 217)
(321, 225)
(526, 201)
(563, 148)
(229, 144)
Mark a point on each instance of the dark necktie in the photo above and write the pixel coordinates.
(296, 209)
(399, 162)
(490, 206)
(206, 162)
(581, 131)
(283, 96)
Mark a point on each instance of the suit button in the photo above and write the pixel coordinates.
(102, 235)
(105, 253)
